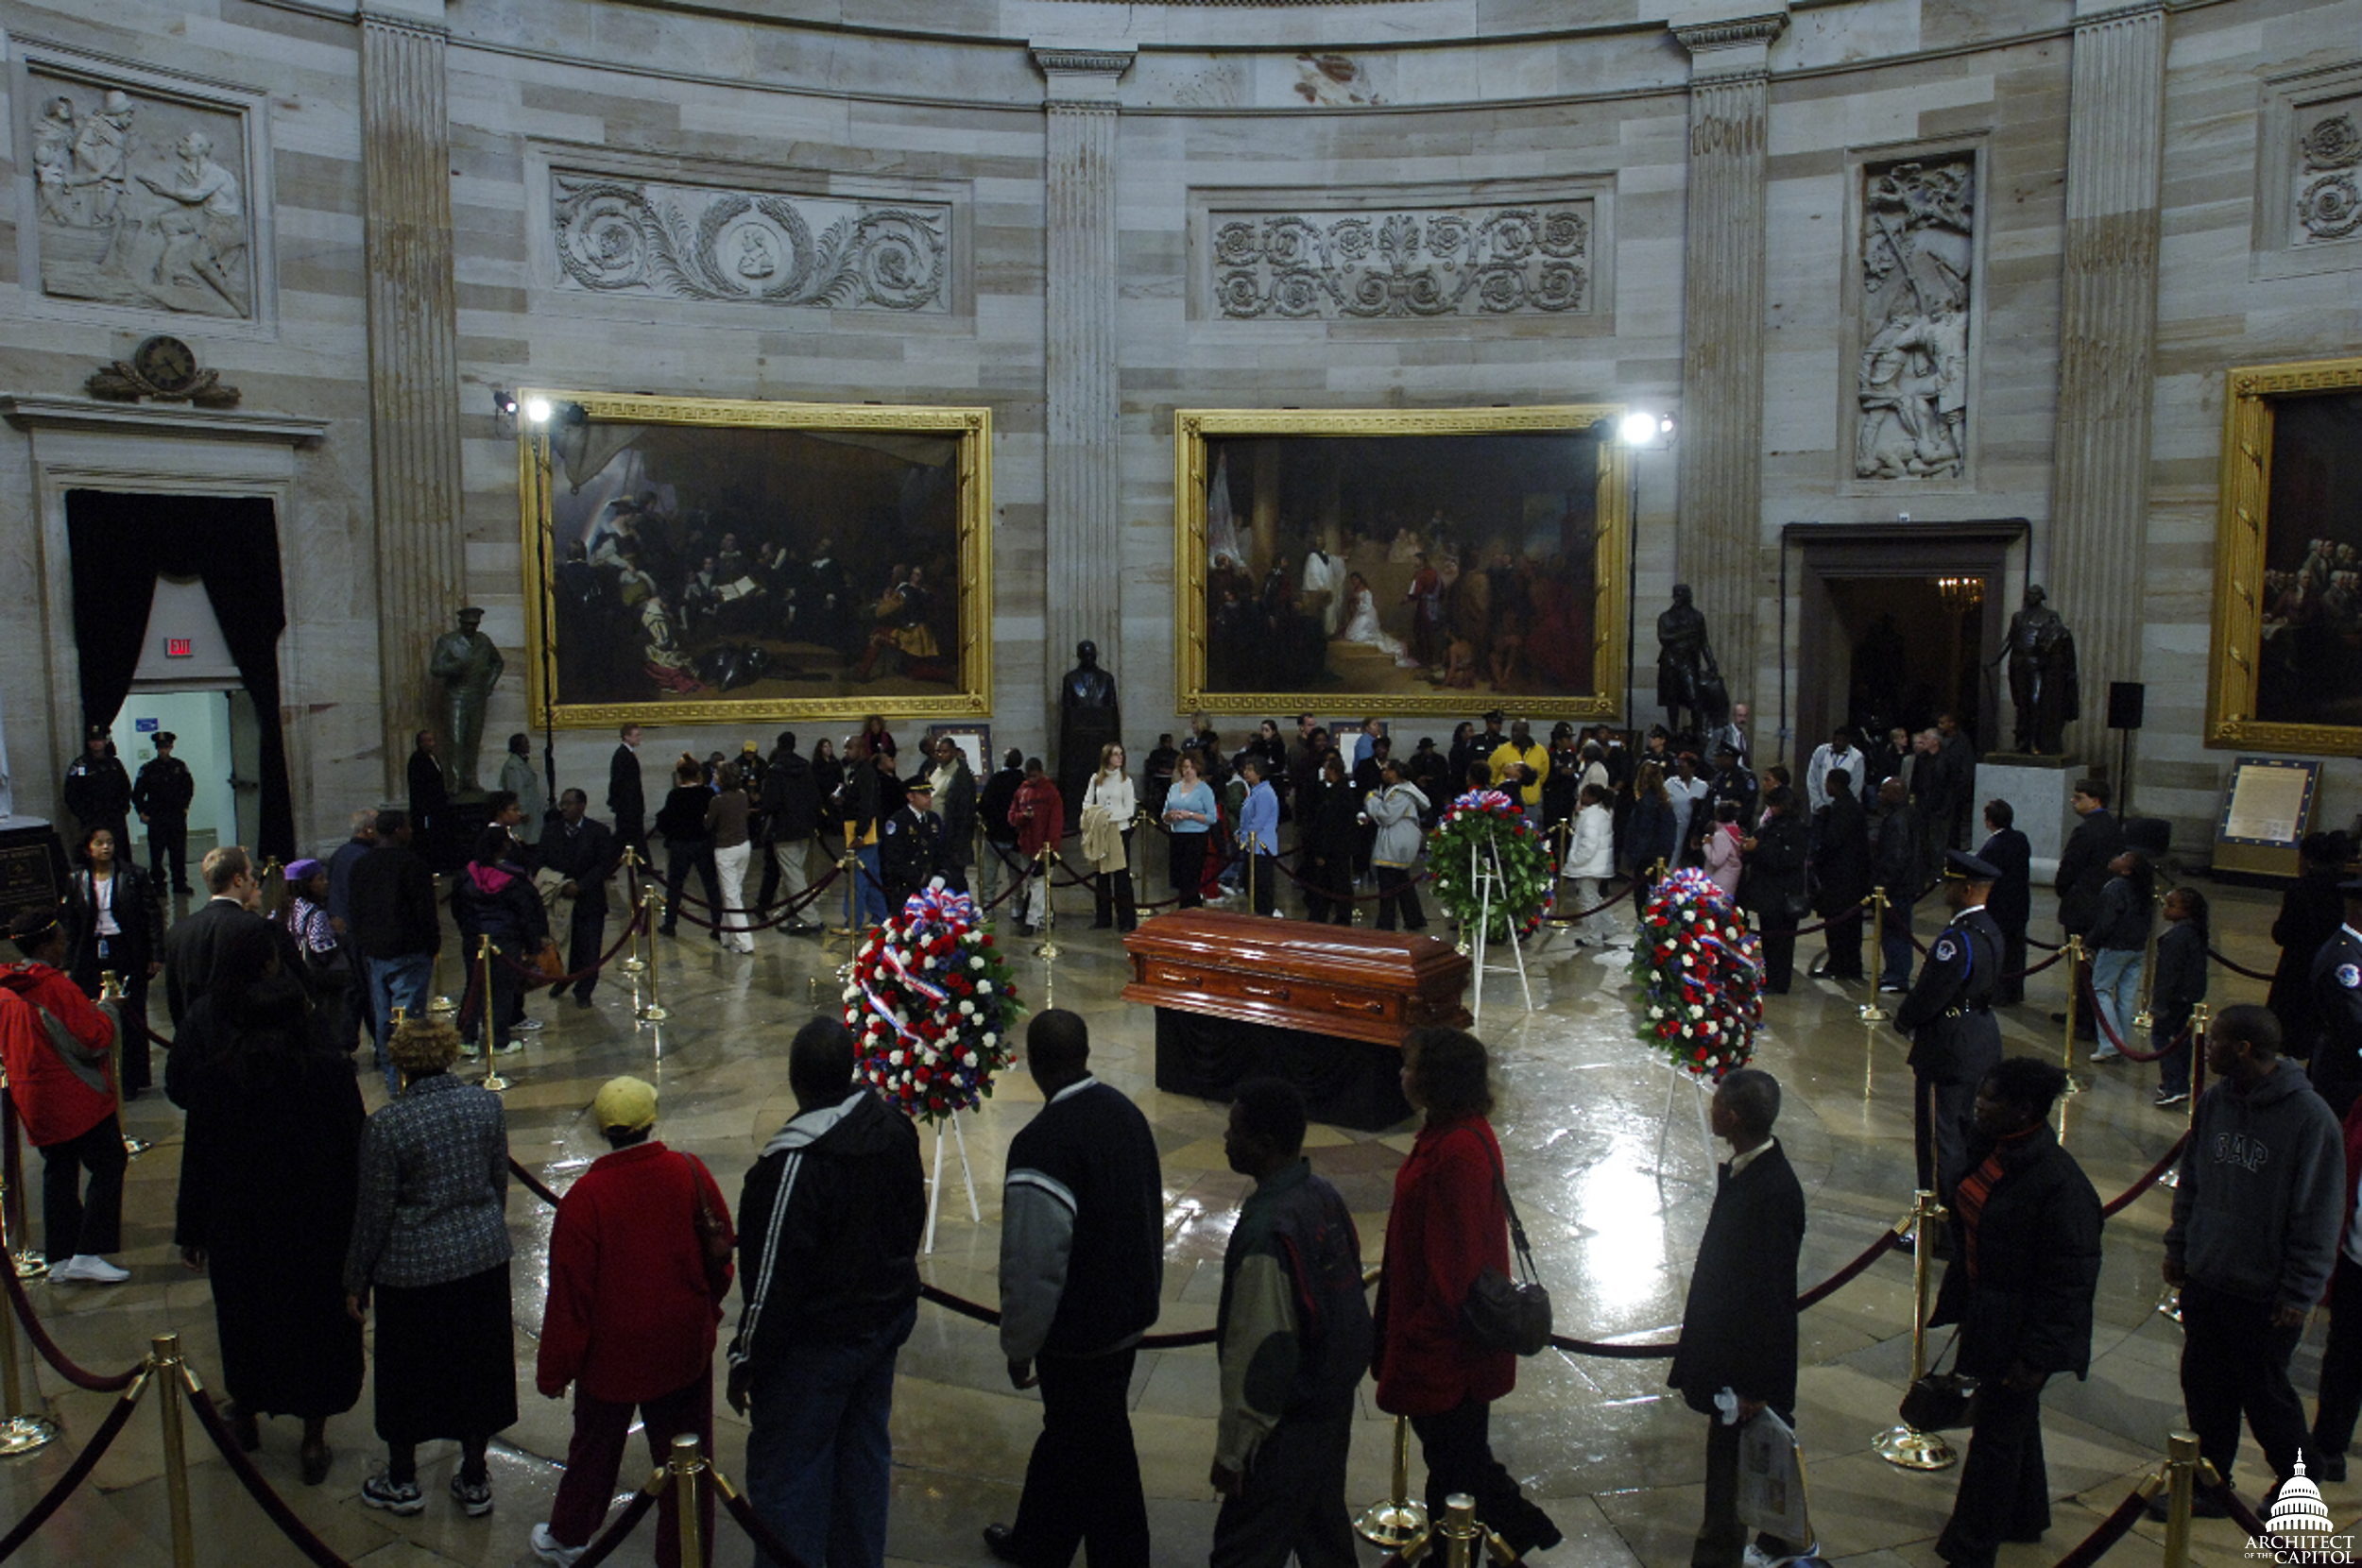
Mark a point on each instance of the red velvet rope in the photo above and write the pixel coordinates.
(787, 911)
(531, 1182)
(2241, 1515)
(66, 1368)
(631, 929)
(300, 1535)
(2148, 1181)
(2109, 1531)
(2238, 968)
(76, 1473)
(742, 1513)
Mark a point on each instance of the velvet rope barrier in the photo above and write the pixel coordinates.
(2108, 1027)
(1608, 903)
(787, 911)
(2113, 1529)
(631, 929)
(1365, 897)
(2148, 1183)
(2241, 1515)
(991, 1319)
(76, 1472)
(743, 1514)
(531, 1182)
(2238, 968)
(1852, 1271)
(58, 1360)
(300, 1535)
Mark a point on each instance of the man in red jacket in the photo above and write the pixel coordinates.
(639, 1266)
(1039, 815)
(55, 1044)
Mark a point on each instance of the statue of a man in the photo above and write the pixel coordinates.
(469, 666)
(1088, 719)
(2042, 684)
(1683, 662)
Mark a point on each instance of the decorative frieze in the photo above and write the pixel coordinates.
(1400, 262)
(1917, 253)
(624, 236)
(2326, 171)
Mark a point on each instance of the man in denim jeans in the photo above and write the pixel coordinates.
(396, 925)
(829, 1227)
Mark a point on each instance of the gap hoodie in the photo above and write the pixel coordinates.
(2263, 1191)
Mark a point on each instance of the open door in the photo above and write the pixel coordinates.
(245, 766)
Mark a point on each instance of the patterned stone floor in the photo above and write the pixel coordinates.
(1583, 1115)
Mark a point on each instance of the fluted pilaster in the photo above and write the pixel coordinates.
(2107, 334)
(414, 362)
(1722, 442)
(1084, 479)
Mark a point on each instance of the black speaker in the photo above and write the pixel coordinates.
(2126, 699)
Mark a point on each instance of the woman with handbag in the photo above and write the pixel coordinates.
(1446, 1234)
(1776, 887)
(2025, 1266)
(639, 1262)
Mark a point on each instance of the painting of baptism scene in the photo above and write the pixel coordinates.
(699, 562)
(1403, 566)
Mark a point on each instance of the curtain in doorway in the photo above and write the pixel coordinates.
(119, 544)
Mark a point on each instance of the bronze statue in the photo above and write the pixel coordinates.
(1687, 676)
(2042, 684)
(469, 666)
(1088, 718)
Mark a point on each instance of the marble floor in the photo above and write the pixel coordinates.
(1613, 1178)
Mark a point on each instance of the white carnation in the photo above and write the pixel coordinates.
(975, 963)
(968, 1010)
(983, 988)
(989, 1041)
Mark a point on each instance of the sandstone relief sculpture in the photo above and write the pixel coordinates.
(1917, 256)
(2329, 200)
(139, 202)
(1478, 260)
(630, 236)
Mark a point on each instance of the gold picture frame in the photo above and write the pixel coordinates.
(551, 457)
(2254, 692)
(1608, 586)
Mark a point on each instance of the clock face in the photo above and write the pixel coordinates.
(166, 362)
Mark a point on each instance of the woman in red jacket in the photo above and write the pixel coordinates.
(55, 1044)
(1448, 1225)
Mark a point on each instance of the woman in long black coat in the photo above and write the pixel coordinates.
(2310, 912)
(117, 924)
(1331, 827)
(270, 1175)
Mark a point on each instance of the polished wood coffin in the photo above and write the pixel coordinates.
(1336, 980)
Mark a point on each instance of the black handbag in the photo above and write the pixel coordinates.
(1940, 1401)
(1509, 1314)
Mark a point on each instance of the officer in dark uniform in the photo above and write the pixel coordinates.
(1955, 1038)
(162, 797)
(98, 791)
(2336, 1064)
(909, 845)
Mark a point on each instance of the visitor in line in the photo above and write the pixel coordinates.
(2180, 985)
(2119, 946)
(2311, 909)
(725, 822)
(494, 897)
(1651, 833)
(1776, 853)
(1895, 844)
(1590, 861)
(681, 821)
(999, 856)
(1038, 812)
(1841, 866)
(194, 942)
(2012, 903)
(1188, 814)
(1328, 827)
(1397, 811)
(320, 966)
(582, 854)
(1258, 834)
(397, 930)
(54, 1044)
(117, 928)
(2097, 841)
(1110, 793)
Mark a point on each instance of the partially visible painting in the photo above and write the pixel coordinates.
(714, 559)
(1408, 560)
(2287, 673)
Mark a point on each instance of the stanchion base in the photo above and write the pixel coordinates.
(1907, 1450)
(632, 966)
(2170, 1306)
(31, 1266)
(1392, 1526)
(1046, 949)
(442, 1004)
(1870, 1012)
(22, 1434)
(2172, 1178)
(653, 1014)
(2142, 1021)
(2074, 1085)
(133, 1148)
(495, 1082)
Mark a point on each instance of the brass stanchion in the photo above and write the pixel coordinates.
(2182, 1464)
(654, 1013)
(164, 1359)
(111, 990)
(1460, 1531)
(29, 1264)
(849, 867)
(2144, 1018)
(1901, 1445)
(1871, 1012)
(632, 962)
(1400, 1520)
(1047, 947)
(2074, 952)
(687, 1468)
(2200, 1017)
(493, 1079)
(23, 1431)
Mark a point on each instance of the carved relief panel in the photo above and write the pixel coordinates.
(1400, 262)
(2309, 174)
(1912, 288)
(2327, 158)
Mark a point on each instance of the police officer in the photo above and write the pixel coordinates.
(98, 791)
(1948, 1015)
(162, 797)
(909, 845)
(2336, 1064)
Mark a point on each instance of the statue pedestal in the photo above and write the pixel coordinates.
(2036, 789)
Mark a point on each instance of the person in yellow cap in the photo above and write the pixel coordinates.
(640, 1261)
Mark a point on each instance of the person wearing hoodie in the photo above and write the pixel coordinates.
(1397, 810)
(829, 1225)
(1591, 861)
(54, 1043)
(2254, 1236)
(494, 898)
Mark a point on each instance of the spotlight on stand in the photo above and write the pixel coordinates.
(538, 410)
(1642, 428)
(504, 402)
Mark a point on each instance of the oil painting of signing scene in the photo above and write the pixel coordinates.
(1403, 558)
(709, 559)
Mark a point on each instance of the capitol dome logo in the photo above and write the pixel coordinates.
(2299, 1530)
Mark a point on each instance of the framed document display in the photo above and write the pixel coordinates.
(2266, 812)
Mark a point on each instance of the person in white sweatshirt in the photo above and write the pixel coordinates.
(1590, 860)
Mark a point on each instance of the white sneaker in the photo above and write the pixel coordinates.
(510, 1050)
(2107, 1053)
(89, 1269)
(545, 1546)
(525, 1026)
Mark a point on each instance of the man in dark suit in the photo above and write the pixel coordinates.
(1955, 1038)
(161, 796)
(2097, 839)
(1739, 1326)
(2336, 1064)
(1841, 864)
(1897, 844)
(909, 845)
(2012, 901)
(583, 852)
(626, 797)
(194, 944)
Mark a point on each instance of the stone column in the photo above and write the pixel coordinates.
(1083, 489)
(1718, 538)
(2107, 333)
(414, 362)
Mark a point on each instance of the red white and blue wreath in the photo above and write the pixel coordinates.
(1700, 972)
(1475, 828)
(932, 1006)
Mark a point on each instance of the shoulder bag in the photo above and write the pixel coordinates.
(715, 1242)
(1509, 1314)
(1940, 1401)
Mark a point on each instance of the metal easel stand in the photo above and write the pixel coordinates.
(1486, 877)
(934, 1184)
(1664, 1130)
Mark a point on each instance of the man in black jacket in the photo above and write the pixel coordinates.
(1840, 863)
(1082, 1273)
(1739, 1326)
(791, 815)
(2012, 901)
(196, 943)
(584, 853)
(97, 790)
(397, 929)
(627, 796)
(955, 807)
(828, 1226)
(909, 845)
(2336, 1064)
(2097, 839)
(2024, 1227)
(1897, 844)
(1955, 1038)
(992, 809)
(161, 796)
(1775, 885)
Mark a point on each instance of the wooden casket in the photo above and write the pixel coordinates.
(1326, 1007)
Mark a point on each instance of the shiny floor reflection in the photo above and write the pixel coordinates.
(1613, 1186)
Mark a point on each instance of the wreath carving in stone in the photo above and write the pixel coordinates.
(2329, 204)
(1365, 266)
(622, 236)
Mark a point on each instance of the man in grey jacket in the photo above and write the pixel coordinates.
(2254, 1235)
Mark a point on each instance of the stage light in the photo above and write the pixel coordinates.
(538, 410)
(504, 402)
(1638, 429)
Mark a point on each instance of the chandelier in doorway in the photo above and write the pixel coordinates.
(1961, 594)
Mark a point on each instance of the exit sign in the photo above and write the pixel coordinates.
(178, 647)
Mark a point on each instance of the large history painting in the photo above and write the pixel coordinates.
(1410, 561)
(2286, 673)
(710, 559)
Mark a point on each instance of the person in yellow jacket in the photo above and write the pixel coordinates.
(1520, 766)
